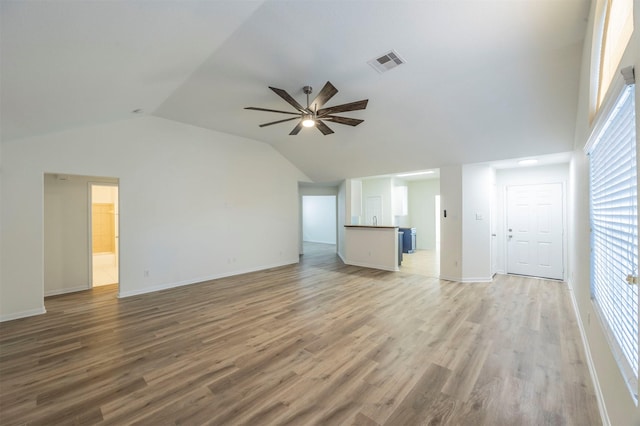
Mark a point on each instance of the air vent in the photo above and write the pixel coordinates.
(386, 62)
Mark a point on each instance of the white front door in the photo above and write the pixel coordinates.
(534, 230)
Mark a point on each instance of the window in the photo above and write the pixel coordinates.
(614, 228)
(615, 19)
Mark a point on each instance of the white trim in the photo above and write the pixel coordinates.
(373, 266)
(466, 280)
(23, 314)
(477, 280)
(446, 278)
(58, 291)
(341, 258)
(167, 286)
(592, 368)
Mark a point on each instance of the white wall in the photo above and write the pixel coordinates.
(397, 201)
(356, 215)
(618, 403)
(451, 226)
(66, 233)
(555, 173)
(422, 214)
(319, 218)
(194, 205)
(477, 181)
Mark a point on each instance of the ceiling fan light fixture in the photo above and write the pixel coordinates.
(308, 121)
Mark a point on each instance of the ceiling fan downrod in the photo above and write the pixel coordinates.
(308, 120)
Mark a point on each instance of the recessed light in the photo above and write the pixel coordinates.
(528, 162)
(428, 172)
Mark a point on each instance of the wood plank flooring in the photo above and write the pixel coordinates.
(314, 343)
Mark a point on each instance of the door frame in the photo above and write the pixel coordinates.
(90, 186)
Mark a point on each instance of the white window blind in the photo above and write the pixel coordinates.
(614, 236)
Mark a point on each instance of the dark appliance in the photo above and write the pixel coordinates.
(408, 240)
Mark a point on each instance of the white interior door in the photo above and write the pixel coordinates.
(373, 209)
(534, 230)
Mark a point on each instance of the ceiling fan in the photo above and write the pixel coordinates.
(313, 114)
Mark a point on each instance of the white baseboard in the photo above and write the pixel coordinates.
(65, 290)
(123, 294)
(448, 278)
(23, 314)
(467, 280)
(341, 258)
(373, 266)
(477, 280)
(592, 368)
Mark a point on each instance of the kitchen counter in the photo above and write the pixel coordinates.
(372, 246)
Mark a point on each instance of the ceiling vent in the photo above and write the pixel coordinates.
(386, 62)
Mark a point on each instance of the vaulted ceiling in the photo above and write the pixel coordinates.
(483, 80)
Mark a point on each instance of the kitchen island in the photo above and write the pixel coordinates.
(372, 246)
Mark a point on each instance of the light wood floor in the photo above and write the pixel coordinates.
(314, 343)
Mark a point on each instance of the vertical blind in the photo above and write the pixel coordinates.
(614, 232)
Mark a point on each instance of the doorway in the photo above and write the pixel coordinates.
(104, 219)
(535, 230)
(319, 223)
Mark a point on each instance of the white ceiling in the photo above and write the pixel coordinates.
(484, 80)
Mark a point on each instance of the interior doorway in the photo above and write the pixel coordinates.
(319, 221)
(104, 236)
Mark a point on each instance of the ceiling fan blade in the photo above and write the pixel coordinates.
(323, 128)
(296, 129)
(326, 93)
(272, 110)
(287, 97)
(279, 121)
(343, 120)
(352, 106)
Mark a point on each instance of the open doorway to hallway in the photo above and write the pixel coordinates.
(104, 233)
(319, 222)
(68, 246)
